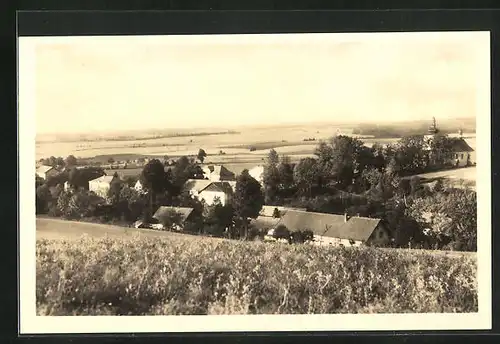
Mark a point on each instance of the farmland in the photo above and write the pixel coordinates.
(114, 270)
(231, 148)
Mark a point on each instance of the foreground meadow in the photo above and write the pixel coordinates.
(182, 275)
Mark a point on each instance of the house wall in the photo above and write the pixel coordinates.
(101, 189)
(462, 158)
(328, 241)
(380, 236)
(209, 197)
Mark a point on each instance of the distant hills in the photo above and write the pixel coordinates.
(395, 129)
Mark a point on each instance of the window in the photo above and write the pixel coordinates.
(456, 156)
(380, 234)
(462, 156)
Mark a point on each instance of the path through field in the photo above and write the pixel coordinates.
(47, 228)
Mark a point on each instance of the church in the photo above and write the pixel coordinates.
(461, 151)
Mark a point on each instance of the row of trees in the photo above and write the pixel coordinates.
(59, 161)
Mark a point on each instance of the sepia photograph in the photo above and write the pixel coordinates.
(255, 182)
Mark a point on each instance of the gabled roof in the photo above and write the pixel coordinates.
(330, 225)
(218, 170)
(264, 222)
(44, 169)
(165, 211)
(460, 145)
(197, 185)
(223, 186)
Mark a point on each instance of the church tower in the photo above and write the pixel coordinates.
(433, 130)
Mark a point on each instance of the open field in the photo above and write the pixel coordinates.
(465, 173)
(169, 273)
(236, 145)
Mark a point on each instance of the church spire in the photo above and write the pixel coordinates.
(433, 128)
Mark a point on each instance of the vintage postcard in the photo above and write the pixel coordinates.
(277, 182)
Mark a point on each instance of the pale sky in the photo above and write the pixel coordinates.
(121, 83)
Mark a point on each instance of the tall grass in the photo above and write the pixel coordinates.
(185, 276)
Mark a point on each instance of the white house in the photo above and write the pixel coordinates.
(462, 153)
(45, 171)
(209, 191)
(331, 229)
(102, 185)
(257, 173)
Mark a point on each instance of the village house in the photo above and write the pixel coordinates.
(217, 173)
(100, 186)
(331, 229)
(461, 153)
(266, 220)
(45, 171)
(208, 191)
(180, 215)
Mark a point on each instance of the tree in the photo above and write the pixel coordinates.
(300, 237)
(134, 204)
(271, 178)
(218, 218)
(154, 180)
(248, 199)
(342, 158)
(307, 176)
(79, 205)
(43, 199)
(201, 155)
(281, 232)
(111, 160)
(52, 161)
(184, 169)
(276, 213)
(411, 155)
(450, 217)
(71, 161)
(273, 158)
(441, 148)
(379, 160)
(79, 178)
(370, 178)
(114, 191)
(171, 219)
(58, 179)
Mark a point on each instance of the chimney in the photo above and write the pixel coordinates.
(345, 217)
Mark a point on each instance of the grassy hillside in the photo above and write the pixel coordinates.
(116, 271)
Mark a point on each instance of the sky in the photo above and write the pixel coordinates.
(126, 83)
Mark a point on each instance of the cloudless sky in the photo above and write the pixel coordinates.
(121, 83)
